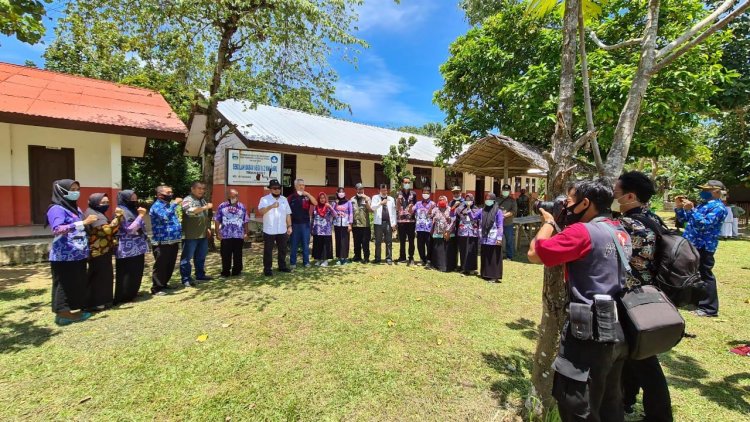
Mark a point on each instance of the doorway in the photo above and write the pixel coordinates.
(289, 173)
(45, 166)
(479, 189)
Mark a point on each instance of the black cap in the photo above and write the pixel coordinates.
(712, 184)
(273, 183)
(506, 187)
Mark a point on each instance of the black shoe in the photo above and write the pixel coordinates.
(410, 263)
(377, 261)
(159, 293)
(205, 278)
(366, 261)
(225, 275)
(285, 270)
(268, 273)
(168, 287)
(355, 259)
(401, 261)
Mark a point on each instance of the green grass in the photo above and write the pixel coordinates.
(317, 345)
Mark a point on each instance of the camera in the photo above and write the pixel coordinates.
(555, 207)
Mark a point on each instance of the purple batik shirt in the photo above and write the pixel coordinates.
(442, 222)
(495, 234)
(422, 213)
(70, 242)
(468, 222)
(131, 239)
(322, 226)
(344, 214)
(232, 219)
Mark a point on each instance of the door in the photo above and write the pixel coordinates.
(289, 173)
(479, 188)
(45, 166)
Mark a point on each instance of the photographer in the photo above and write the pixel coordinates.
(592, 344)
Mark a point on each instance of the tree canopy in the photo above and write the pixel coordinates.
(23, 19)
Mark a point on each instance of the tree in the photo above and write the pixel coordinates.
(395, 162)
(433, 129)
(23, 19)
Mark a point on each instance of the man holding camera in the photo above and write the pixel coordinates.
(592, 344)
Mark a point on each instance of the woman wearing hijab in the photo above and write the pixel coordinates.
(423, 227)
(467, 218)
(68, 252)
(323, 216)
(491, 240)
(442, 232)
(132, 246)
(101, 245)
(342, 225)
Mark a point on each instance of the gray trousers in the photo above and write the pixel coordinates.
(381, 231)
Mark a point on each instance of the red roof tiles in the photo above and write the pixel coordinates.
(43, 98)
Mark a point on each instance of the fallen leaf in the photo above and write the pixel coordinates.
(84, 400)
(228, 419)
(227, 325)
(391, 323)
(419, 299)
(201, 338)
(439, 342)
(747, 300)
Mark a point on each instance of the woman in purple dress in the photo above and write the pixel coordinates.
(68, 253)
(322, 226)
(342, 225)
(491, 239)
(422, 213)
(442, 232)
(467, 218)
(131, 249)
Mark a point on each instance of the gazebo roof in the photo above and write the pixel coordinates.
(493, 155)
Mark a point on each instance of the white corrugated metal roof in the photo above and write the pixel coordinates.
(291, 127)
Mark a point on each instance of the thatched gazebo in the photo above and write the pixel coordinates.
(501, 157)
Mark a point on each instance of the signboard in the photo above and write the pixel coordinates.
(246, 167)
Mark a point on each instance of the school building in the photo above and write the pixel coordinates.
(57, 126)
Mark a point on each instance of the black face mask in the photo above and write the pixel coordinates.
(275, 195)
(101, 208)
(572, 217)
(167, 198)
(132, 204)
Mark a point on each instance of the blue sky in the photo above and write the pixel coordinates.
(395, 78)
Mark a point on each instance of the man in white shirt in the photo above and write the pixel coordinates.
(277, 226)
(384, 209)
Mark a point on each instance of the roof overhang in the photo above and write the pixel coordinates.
(499, 156)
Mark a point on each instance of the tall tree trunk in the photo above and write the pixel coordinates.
(554, 296)
(623, 135)
(587, 92)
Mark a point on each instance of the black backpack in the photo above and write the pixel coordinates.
(677, 264)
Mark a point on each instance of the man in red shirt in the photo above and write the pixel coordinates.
(590, 358)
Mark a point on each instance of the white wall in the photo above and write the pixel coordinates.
(97, 155)
(312, 168)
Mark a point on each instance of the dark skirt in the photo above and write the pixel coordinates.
(443, 255)
(342, 242)
(69, 285)
(129, 273)
(468, 249)
(452, 254)
(101, 280)
(492, 262)
(322, 247)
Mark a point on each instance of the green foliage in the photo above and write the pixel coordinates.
(162, 164)
(395, 162)
(504, 75)
(735, 94)
(432, 129)
(23, 19)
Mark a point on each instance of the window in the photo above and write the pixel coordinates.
(422, 177)
(289, 173)
(454, 179)
(352, 172)
(533, 184)
(380, 176)
(518, 185)
(332, 172)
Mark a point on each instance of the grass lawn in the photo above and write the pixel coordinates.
(354, 343)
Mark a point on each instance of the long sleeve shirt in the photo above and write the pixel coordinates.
(344, 214)
(703, 224)
(165, 224)
(131, 238)
(70, 242)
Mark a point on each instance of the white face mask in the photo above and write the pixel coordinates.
(232, 201)
(407, 186)
(617, 206)
(425, 196)
(341, 195)
(506, 193)
(300, 192)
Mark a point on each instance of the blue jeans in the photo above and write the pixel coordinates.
(195, 249)
(300, 235)
(510, 240)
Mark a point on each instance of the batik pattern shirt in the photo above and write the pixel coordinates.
(361, 212)
(703, 224)
(495, 235)
(344, 214)
(468, 222)
(442, 222)
(131, 238)
(406, 213)
(422, 214)
(165, 224)
(102, 239)
(322, 226)
(70, 242)
(232, 219)
(643, 240)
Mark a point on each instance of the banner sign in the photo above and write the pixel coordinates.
(252, 168)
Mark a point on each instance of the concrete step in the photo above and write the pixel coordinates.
(24, 251)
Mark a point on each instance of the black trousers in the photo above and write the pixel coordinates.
(362, 237)
(424, 246)
(406, 231)
(280, 240)
(128, 276)
(709, 305)
(100, 281)
(647, 374)
(231, 256)
(165, 258)
(384, 232)
(69, 290)
(342, 242)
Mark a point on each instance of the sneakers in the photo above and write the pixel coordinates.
(339, 262)
(389, 262)
(308, 265)
(702, 313)
(293, 266)
(285, 270)
(205, 278)
(62, 321)
(410, 263)
(324, 263)
(189, 284)
(159, 293)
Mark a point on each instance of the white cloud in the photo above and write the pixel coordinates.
(390, 16)
(373, 95)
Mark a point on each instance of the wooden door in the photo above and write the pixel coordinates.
(45, 166)
(479, 190)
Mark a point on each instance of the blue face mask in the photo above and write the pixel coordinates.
(706, 196)
(489, 202)
(72, 195)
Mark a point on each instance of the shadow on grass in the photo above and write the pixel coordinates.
(18, 334)
(527, 327)
(11, 276)
(515, 368)
(686, 372)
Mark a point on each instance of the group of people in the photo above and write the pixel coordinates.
(594, 378)
(448, 235)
